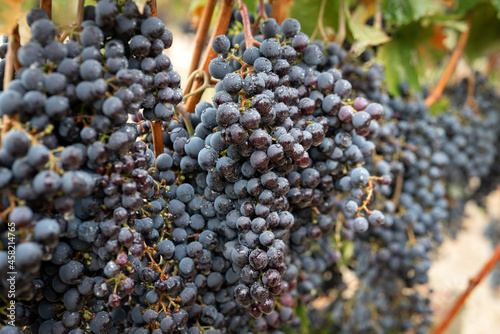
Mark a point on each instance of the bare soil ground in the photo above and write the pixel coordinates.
(459, 260)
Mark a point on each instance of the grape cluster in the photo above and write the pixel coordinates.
(432, 160)
(300, 169)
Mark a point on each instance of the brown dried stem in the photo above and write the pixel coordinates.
(219, 29)
(262, 15)
(46, 5)
(11, 63)
(437, 92)
(79, 13)
(154, 9)
(156, 126)
(200, 39)
(495, 257)
(397, 189)
(249, 40)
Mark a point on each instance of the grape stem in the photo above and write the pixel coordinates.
(206, 82)
(200, 39)
(156, 126)
(220, 28)
(154, 8)
(495, 257)
(438, 90)
(249, 40)
(492, 62)
(397, 189)
(46, 5)
(319, 25)
(261, 16)
(11, 63)
(341, 31)
(471, 101)
(378, 15)
(180, 108)
(79, 13)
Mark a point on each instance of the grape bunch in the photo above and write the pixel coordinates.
(300, 169)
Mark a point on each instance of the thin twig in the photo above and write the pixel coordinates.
(471, 100)
(10, 65)
(180, 108)
(249, 40)
(319, 25)
(492, 62)
(397, 189)
(219, 29)
(156, 129)
(436, 93)
(262, 15)
(79, 13)
(495, 257)
(206, 82)
(341, 31)
(156, 126)
(11, 57)
(200, 39)
(378, 15)
(154, 9)
(46, 5)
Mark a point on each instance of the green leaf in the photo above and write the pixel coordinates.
(462, 6)
(347, 251)
(396, 56)
(367, 35)
(307, 11)
(400, 57)
(496, 3)
(406, 11)
(441, 106)
(302, 314)
(484, 35)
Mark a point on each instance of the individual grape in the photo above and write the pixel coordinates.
(43, 31)
(101, 323)
(218, 68)
(35, 14)
(343, 88)
(91, 36)
(140, 46)
(221, 44)
(360, 224)
(290, 27)
(376, 218)
(270, 48)
(10, 102)
(269, 28)
(30, 53)
(251, 54)
(152, 28)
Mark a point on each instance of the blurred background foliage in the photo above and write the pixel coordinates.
(411, 38)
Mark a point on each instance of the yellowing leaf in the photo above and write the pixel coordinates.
(438, 38)
(368, 35)
(10, 11)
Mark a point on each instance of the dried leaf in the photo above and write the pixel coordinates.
(438, 37)
(10, 11)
